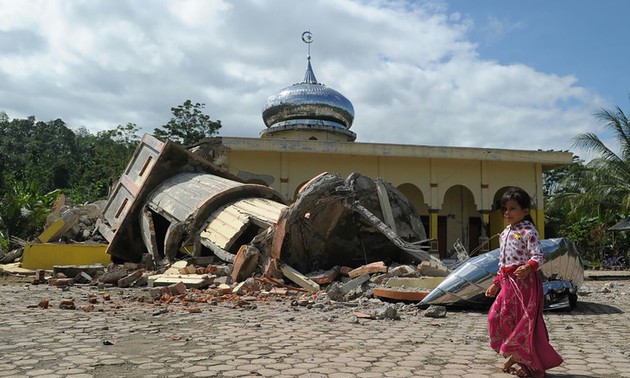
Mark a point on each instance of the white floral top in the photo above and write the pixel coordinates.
(520, 245)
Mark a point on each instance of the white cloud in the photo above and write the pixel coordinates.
(409, 69)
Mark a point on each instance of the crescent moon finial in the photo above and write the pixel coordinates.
(307, 37)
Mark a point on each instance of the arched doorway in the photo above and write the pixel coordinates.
(415, 196)
(458, 219)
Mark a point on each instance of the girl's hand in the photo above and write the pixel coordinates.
(492, 290)
(523, 271)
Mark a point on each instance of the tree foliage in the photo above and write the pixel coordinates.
(584, 200)
(38, 152)
(102, 158)
(40, 159)
(23, 209)
(188, 125)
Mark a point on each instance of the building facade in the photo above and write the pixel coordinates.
(455, 190)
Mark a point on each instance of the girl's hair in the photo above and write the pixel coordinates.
(521, 197)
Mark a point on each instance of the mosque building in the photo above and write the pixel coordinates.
(455, 190)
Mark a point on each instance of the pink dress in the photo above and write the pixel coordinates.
(515, 322)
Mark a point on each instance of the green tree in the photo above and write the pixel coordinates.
(101, 160)
(23, 209)
(611, 169)
(38, 152)
(38, 159)
(588, 199)
(188, 125)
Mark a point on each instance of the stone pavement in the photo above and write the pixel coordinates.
(125, 337)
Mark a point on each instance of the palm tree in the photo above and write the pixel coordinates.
(611, 171)
(598, 196)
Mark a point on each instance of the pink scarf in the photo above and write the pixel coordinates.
(517, 327)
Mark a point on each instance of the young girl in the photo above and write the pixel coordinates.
(515, 322)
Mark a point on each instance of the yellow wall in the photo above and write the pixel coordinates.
(46, 255)
(454, 183)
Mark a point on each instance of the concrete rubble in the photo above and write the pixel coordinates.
(70, 235)
(188, 232)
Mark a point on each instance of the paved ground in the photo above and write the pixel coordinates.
(284, 338)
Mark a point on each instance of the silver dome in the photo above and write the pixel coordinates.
(308, 105)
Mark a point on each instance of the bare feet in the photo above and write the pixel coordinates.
(507, 366)
(521, 373)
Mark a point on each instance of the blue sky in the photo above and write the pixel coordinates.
(583, 38)
(490, 74)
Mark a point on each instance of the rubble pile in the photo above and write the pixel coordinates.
(66, 224)
(83, 220)
(186, 232)
(186, 286)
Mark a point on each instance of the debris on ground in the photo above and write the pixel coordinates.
(186, 233)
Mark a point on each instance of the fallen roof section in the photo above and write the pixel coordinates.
(152, 163)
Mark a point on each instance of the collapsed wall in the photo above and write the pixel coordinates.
(324, 228)
(170, 202)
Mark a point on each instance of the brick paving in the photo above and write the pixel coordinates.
(125, 337)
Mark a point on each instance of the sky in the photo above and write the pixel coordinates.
(458, 73)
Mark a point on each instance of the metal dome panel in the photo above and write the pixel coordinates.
(308, 101)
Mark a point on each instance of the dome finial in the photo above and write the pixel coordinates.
(308, 110)
(307, 37)
(309, 75)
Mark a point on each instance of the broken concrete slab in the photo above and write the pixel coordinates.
(190, 280)
(245, 262)
(73, 270)
(15, 268)
(323, 221)
(428, 283)
(325, 277)
(83, 278)
(129, 279)
(433, 269)
(400, 294)
(175, 268)
(353, 284)
(59, 227)
(401, 271)
(297, 277)
(112, 277)
(12, 256)
(375, 267)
